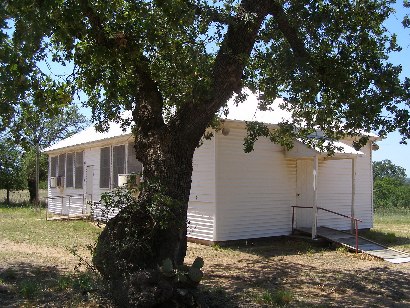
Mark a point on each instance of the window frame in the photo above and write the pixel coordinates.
(118, 162)
(105, 183)
(79, 169)
(69, 176)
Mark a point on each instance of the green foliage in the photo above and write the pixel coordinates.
(83, 282)
(115, 200)
(174, 64)
(329, 60)
(34, 126)
(183, 274)
(390, 192)
(167, 268)
(386, 169)
(276, 298)
(390, 188)
(198, 263)
(29, 288)
(195, 274)
(64, 283)
(29, 162)
(342, 249)
(33, 129)
(12, 173)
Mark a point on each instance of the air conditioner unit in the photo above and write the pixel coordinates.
(122, 179)
(60, 181)
(128, 179)
(53, 182)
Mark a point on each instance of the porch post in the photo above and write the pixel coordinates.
(352, 210)
(314, 210)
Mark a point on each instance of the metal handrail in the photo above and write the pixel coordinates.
(356, 220)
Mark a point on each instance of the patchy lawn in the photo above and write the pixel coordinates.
(37, 268)
(392, 228)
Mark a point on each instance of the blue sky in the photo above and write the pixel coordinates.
(390, 148)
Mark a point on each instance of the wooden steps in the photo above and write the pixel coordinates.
(366, 246)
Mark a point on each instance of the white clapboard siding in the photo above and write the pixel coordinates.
(364, 188)
(201, 206)
(54, 204)
(236, 195)
(254, 191)
(335, 191)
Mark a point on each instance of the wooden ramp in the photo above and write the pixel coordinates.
(366, 246)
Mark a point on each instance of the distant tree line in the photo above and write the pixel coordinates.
(22, 140)
(391, 188)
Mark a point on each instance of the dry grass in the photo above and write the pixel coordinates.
(19, 197)
(37, 266)
(308, 275)
(37, 269)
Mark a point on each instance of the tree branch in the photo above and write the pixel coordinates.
(290, 32)
(150, 101)
(229, 64)
(210, 13)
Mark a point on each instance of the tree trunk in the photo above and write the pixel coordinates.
(151, 230)
(8, 196)
(37, 181)
(31, 184)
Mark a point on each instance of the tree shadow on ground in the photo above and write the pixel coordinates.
(25, 284)
(313, 286)
(331, 279)
(282, 246)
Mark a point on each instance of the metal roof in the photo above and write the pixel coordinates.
(245, 111)
(89, 135)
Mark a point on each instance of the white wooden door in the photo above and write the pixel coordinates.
(89, 181)
(304, 193)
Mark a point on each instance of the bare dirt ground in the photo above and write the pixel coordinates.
(308, 276)
(311, 276)
(285, 272)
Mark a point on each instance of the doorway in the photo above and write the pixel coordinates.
(304, 193)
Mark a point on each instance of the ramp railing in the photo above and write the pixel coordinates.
(354, 220)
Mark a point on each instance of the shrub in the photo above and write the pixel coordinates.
(389, 192)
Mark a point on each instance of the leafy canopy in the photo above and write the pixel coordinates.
(33, 126)
(390, 187)
(386, 169)
(12, 175)
(328, 59)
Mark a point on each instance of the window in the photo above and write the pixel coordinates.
(79, 171)
(61, 165)
(105, 166)
(69, 180)
(118, 162)
(53, 166)
(133, 165)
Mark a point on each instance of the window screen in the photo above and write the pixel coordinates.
(105, 167)
(133, 165)
(61, 165)
(69, 170)
(118, 162)
(53, 166)
(79, 171)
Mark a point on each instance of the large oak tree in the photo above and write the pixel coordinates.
(174, 64)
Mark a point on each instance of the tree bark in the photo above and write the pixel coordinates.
(31, 184)
(152, 229)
